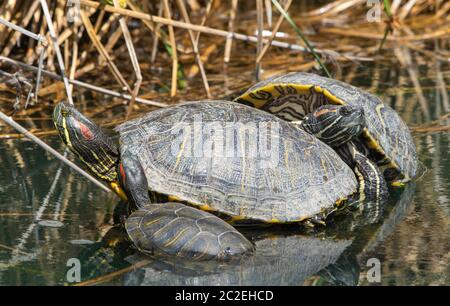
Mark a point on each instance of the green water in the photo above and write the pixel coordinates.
(411, 239)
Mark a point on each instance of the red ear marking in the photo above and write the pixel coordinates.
(85, 131)
(122, 173)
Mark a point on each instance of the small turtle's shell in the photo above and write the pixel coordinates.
(237, 160)
(180, 230)
(293, 95)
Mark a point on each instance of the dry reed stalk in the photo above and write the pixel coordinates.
(59, 19)
(440, 83)
(442, 32)
(83, 84)
(203, 29)
(66, 57)
(39, 74)
(24, 214)
(406, 9)
(155, 29)
(274, 33)
(229, 41)
(204, 18)
(206, 53)
(74, 63)
(7, 11)
(23, 23)
(301, 36)
(268, 6)
(325, 9)
(134, 61)
(441, 128)
(53, 88)
(99, 21)
(198, 59)
(340, 7)
(260, 26)
(32, 51)
(14, 250)
(55, 45)
(101, 49)
(432, 54)
(404, 56)
(395, 5)
(23, 31)
(168, 14)
(103, 31)
(193, 4)
(41, 42)
(112, 40)
(156, 38)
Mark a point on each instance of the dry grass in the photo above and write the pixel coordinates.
(107, 47)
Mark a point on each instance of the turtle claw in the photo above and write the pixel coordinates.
(318, 220)
(309, 224)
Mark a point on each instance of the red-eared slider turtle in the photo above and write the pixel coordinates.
(386, 139)
(219, 156)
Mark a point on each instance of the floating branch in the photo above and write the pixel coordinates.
(107, 277)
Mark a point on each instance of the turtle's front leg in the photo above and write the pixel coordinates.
(132, 178)
(372, 185)
(371, 180)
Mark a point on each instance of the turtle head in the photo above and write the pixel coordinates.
(89, 142)
(335, 124)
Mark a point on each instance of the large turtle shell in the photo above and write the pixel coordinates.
(180, 149)
(293, 95)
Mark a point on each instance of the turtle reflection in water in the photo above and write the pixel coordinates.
(369, 226)
(292, 259)
(154, 159)
(282, 256)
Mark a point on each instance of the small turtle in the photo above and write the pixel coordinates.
(184, 231)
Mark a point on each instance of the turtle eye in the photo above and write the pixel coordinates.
(345, 111)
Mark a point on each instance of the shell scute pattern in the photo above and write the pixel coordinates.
(300, 178)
